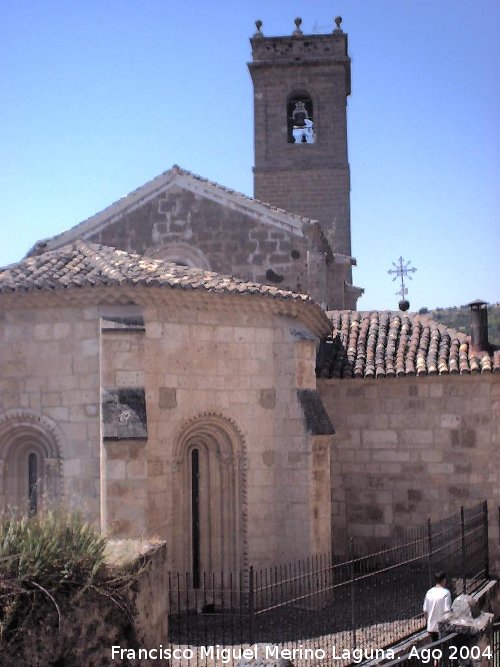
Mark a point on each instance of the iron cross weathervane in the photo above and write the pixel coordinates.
(402, 270)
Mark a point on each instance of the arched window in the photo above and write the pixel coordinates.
(180, 253)
(209, 500)
(29, 462)
(300, 119)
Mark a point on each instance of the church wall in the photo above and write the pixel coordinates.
(206, 370)
(49, 370)
(244, 372)
(210, 235)
(412, 448)
(226, 375)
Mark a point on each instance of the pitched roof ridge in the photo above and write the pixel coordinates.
(148, 188)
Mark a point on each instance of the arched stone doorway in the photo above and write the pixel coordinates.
(210, 508)
(29, 462)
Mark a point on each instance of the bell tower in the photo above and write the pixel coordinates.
(301, 83)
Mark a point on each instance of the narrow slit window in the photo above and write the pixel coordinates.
(195, 516)
(32, 484)
(300, 119)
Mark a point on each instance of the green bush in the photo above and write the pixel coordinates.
(50, 565)
(49, 550)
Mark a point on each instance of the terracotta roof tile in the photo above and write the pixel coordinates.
(82, 264)
(394, 344)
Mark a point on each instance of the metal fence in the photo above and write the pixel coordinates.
(317, 608)
(496, 645)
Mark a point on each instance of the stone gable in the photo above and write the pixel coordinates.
(189, 220)
(187, 228)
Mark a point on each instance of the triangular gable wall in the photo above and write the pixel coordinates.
(188, 181)
(189, 220)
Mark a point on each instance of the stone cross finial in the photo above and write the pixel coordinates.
(258, 25)
(338, 21)
(297, 30)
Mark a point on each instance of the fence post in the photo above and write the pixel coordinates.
(353, 608)
(251, 604)
(169, 609)
(429, 549)
(464, 573)
(486, 543)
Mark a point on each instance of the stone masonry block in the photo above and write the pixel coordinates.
(154, 330)
(116, 469)
(267, 398)
(383, 438)
(167, 398)
(130, 378)
(391, 456)
(62, 330)
(450, 421)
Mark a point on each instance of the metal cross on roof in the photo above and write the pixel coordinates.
(402, 270)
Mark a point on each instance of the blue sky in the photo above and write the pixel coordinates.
(100, 97)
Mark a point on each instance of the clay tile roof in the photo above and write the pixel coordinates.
(384, 344)
(82, 264)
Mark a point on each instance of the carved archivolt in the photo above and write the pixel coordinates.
(25, 432)
(213, 426)
(221, 457)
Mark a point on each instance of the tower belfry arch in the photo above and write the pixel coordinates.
(301, 84)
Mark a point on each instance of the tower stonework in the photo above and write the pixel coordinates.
(301, 83)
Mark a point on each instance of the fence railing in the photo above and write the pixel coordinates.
(318, 607)
(496, 645)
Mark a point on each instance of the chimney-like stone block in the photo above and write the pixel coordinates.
(305, 361)
(479, 327)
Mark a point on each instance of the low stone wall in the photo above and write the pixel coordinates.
(86, 624)
(148, 595)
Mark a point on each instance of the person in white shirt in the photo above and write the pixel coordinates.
(437, 602)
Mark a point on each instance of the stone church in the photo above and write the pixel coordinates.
(189, 363)
(296, 232)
